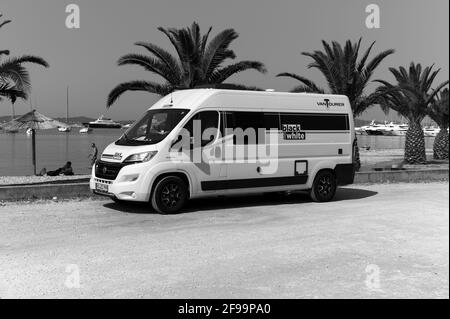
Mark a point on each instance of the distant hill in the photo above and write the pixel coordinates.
(76, 119)
(72, 120)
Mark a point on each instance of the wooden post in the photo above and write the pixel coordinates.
(33, 141)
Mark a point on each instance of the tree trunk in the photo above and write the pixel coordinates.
(415, 144)
(356, 157)
(13, 112)
(440, 146)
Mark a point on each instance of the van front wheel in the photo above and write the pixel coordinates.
(170, 195)
(324, 187)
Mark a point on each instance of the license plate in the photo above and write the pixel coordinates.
(101, 187)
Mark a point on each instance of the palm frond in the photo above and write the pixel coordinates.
(309, 86)
(12, 93)
(217, 51)
(168, 59)
(220, 75)
(5, 23)
(150, 87)
(228, 86)
(150, 64)
(31, 59)
(439, 110)
(12, 71)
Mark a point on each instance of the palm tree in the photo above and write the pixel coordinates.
(439, 112)
(412, 97)
(14, 77)
(198, 63)
(346, 73)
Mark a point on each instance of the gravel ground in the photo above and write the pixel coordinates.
(373, 241)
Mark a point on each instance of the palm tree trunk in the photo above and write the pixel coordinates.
(440, 145)
(356, 157)
(13, 112)
(415, 144)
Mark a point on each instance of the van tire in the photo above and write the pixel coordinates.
(169, 195)
(324, 187)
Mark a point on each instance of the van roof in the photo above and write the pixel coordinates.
(196, 98)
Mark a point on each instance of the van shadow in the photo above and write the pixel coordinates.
(247, 201)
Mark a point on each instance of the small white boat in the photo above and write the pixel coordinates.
(103, 122)
(64, 129)
(431, 131)
(373, 128)
(360, 131)
(85, 130)
(393, 129)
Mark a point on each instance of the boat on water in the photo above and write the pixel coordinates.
(387, 129)
(431, 131)
(374, 128)
(395, 129)
(360, 130)
(85, 130)
(103, 122)
(64, 129)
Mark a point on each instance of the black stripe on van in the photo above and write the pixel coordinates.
(307, 121)
(254, 182)
(317, 122)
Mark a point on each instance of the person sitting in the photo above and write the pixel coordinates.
(65, 170)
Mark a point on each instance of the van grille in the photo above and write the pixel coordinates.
(108, 170)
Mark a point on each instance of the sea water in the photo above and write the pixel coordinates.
(54, 149)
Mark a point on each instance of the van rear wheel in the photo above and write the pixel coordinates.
(170, 195)
(324, 187)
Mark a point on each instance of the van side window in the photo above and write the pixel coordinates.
(244, 121)
(272, 121)
(207, 120)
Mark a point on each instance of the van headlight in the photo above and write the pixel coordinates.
(140, 157)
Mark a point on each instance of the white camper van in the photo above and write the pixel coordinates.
(210, 142)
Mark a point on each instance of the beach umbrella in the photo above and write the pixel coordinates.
(35, 121)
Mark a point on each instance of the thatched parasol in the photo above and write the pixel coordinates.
(35, 121)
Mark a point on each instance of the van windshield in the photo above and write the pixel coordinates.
(153, 127)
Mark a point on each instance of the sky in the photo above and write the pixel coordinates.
(273, 32)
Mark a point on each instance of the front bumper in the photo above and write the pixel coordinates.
(124, 182)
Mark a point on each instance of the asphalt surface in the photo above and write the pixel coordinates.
(378, 241)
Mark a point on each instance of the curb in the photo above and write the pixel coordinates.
(74, 190)
(424, 175)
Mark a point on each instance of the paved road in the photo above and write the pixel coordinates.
(373, 241)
